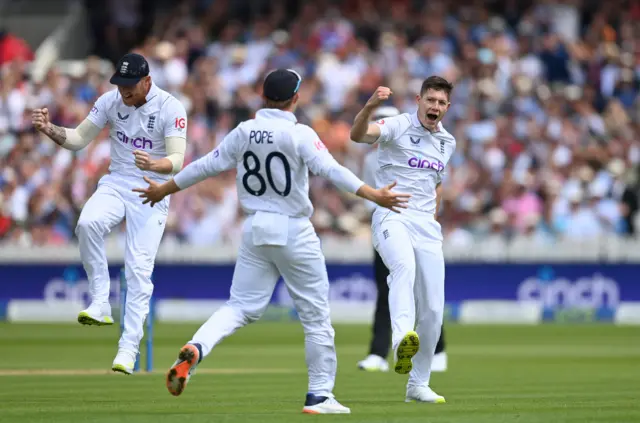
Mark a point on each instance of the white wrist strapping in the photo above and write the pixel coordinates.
(176, 147)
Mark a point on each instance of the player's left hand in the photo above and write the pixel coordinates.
(143, 160)
(153, 194)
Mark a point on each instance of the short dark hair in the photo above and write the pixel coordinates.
(282, 105)
(436, 83)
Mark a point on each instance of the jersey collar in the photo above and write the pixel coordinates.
(277, 114)
(416, 122)
(153, 91)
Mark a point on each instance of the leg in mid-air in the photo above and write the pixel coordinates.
(104, 210)
(144, 229)
(393, 242)
(254, 279)
(303, 268)
(429, 291)
(376, 361)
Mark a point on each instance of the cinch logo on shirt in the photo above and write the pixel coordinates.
(142, 143)
(419, 163)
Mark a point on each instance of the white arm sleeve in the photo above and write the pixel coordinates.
(321, 162)
(176, 147)
(390, 128)
(80, 137)
(221, 159)
(175, 130)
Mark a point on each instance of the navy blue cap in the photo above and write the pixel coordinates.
(131, 68)
(281, 84)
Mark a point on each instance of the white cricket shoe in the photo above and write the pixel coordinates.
(374, 363)
(423, 394)
(124, 362)
(97, 314)
(323, 405)
(439, 362)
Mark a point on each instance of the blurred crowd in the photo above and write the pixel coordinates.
(545, 111)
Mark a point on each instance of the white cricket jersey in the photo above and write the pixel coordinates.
(273, 154)
(414, 157)
(139, 128)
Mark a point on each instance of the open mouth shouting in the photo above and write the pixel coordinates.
(432, 117)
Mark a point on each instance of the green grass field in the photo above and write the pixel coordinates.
(551, 373)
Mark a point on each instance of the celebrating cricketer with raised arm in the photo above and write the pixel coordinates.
(148, 137)
(413, 149)
(376, 360)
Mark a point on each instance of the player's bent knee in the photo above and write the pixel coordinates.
(141, 291)
(139, 282)
(319, 331)
(245, 311)
(89, 226)
(433, 314)
(320, 336)
(402, 269)
(138, 268)
(251, 316)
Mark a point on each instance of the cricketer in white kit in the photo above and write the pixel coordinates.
(376, 361)
(148, 138)
(414, 149)
(273, 154)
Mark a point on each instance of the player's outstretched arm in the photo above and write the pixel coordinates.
(71, 139)
(321, 162)
(362, 130)
(155, 192)
(384, 197)
(194, 173)
(219, 160)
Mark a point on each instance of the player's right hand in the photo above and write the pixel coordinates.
(379, 96)
(40, 119)
(391, 200)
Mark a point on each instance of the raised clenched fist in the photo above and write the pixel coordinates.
(379, 96)
(40, 119)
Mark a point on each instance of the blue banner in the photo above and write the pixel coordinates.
(556, 286)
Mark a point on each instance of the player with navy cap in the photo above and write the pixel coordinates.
(273, 154)
(148, 129)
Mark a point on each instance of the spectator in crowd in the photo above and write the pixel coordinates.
(545, 110)
(13, 48)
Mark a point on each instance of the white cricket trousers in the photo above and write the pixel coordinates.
(258, 268)
(410, 245)
(112, 203)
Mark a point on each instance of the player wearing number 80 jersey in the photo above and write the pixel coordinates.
(266, 170)
(273, 154)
